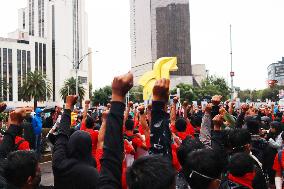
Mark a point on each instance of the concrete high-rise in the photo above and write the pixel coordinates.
(159, 29)
(51, 36)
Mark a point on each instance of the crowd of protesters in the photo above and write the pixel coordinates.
(159, 146)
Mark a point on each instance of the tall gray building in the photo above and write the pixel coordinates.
(161, 28)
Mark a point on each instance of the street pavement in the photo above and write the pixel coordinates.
(46, 174)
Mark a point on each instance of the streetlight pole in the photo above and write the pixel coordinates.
(231, 73)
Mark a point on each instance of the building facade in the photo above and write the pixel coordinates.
(276, 72)
(51, 37)
(161, 29)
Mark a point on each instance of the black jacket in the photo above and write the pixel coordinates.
(111, 163)
(160, 137)
(73, 165)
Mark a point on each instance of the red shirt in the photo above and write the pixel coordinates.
(276, 165)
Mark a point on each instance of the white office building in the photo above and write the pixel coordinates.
(51, 35)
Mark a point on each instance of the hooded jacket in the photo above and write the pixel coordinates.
(73, 164)
(37, 122)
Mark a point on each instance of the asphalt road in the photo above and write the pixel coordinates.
(46, 174)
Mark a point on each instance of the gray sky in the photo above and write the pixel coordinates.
(258, 36)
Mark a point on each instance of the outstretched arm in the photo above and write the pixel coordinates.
(111, 163)
(60, 147)
(160, 131)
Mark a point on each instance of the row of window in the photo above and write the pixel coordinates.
(23, 66)
(40, 58)
(6, 77)
(31, 17)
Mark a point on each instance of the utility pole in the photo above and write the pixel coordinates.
(232, 74)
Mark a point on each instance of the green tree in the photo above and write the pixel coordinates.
(186, 92)
(69, 88)
(271, 93)
(101, 96)
(35, 86)
(136, 94)
(211, 86)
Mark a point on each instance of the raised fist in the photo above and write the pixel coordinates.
(185, 104)
(218, 120)
(141, 109)
(208, 108)
(130, 104)
(121, 85)
(161, 90)
(71, 100)
(17, 116)
(175, 100)
(2, 106)
(245, 107)
(216, 99)
(104, 114)
(222, 111)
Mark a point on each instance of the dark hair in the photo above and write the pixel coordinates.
(238, 139)
(240, 164)
(20, 166)
(187, 146)
(202, 167)
(155, 172)
(129, 125)
(90, 122)
(180, 124)
(253, 125)
(277, 126)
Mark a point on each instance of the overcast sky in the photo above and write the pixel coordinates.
(257, 26)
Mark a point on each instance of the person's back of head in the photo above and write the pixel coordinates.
(240, 164)
(240, 140)
(203, 169)
(187, 146)
(22, 169)
(180, 125)
(242, 171)
(253, 125)
(155, 172)
(276, 127)
(129, 125)
(80, 147)
(90, 122)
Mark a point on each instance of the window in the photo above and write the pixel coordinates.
(5, 74)
(10, 74)
(36, 56)
(24, 20)
(44, 59)
(24, 65)
(28, 61)
(83, 80)
(19, 68)
(40, 58)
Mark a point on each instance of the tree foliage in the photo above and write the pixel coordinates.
(186, 92)
(101, 96)
(35, 86)
(136, 94)
(69, 88)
